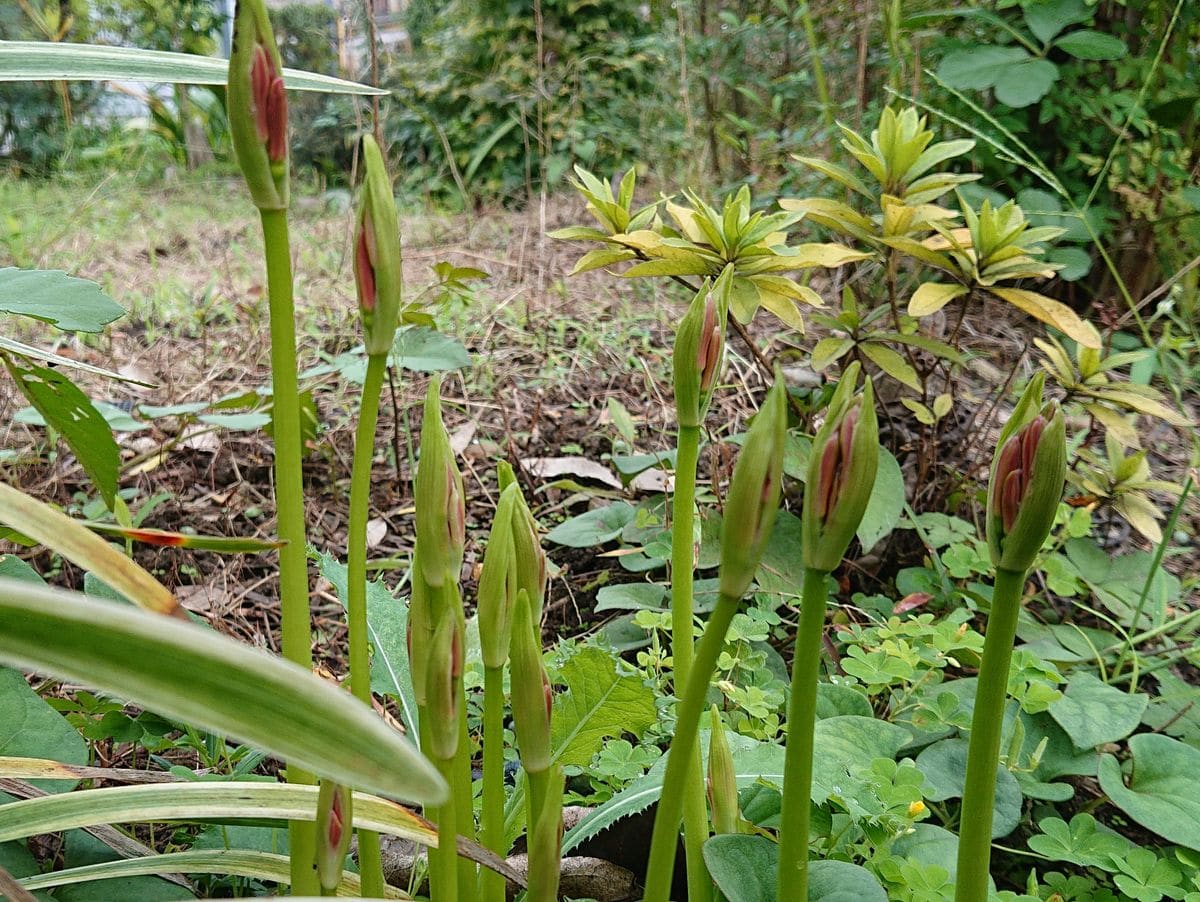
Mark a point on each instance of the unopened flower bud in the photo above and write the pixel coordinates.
(443, 679)
(497, 592)
(1027, 481)
(722, 780)
(753, 499)
(532, 697)
(699, 348)
(257, 107)
(441, 513)
(377, 254)
(334, 826)
(841, 473)
(530, 557)
(419, 632)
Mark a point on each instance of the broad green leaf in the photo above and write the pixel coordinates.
(1163, 793)
(1052, 312)
(595, 527)
(1049, 17)
(979, 68)
(194, 675)
(65, 302)
(631, 597)
(602, 700)
(236, 862)
(601, 257)
(931, 297)
(42, 61)
(1093, 713)
(841, 881)
(886, 504)
(84, 848)
(76, 419)
(1081, 842)
(217, 800)
(828, 350)
(892, 363)
(1026, 83)
(30, 728)
(693, 266)
(425, 350)
(387, 625)
(944, 765)
(78, 544)
(743, 867)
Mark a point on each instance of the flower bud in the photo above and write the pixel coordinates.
(753, 499)
(722, 780)
(497, 592)
(841, 473)
(419, 631)
(1027, 481)
(545, 842)
(377, 254)
(441, 513)
(699, 348)
(443, 681)
(529, 557)
(532, 697)
(334, 826)
(257, 107)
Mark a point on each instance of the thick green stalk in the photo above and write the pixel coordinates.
(491, 884)
(443, 861)
(661, 865)
(464, 804)
(370, 862)
(683, 514)
(983, 756)
(289, 509)
(798, 762)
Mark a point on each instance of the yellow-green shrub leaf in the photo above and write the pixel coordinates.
(1051, 312)
(931, 297)
(891, 363)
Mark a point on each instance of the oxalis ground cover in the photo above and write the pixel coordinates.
(802, 544)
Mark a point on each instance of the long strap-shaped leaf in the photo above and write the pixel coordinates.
(192, 674)
(81, 546)
(235, 862)
(200, 801)
(42, 61)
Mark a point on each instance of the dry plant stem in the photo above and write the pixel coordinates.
(289, 506)
(369, 857)
(983, 755)
(798, 761)
(695, 815)
(661, 865)
(491, 819)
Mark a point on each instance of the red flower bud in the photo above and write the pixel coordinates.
(1015, 471)
(364, 265)
(708, 354)
(270, 104)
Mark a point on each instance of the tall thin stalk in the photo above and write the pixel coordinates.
(683, 507)
(491, 818)
(370, 861)
(289, 505)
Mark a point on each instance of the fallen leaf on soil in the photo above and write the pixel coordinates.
(551, 467)
(376, 530)
(461, 437)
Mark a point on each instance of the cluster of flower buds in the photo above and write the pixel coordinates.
(532, 697)
(722, 780)
(498, 585)
(334, 827)
(753, 499)
(257, 106)
(377, 254)
(841, 473)
(1028, 472)
(699, 348)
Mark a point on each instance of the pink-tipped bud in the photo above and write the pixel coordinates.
(364, 266)
(270, 104)
(334, 826)
(712, 344)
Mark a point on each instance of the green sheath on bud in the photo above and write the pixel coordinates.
(257, 106)
(699, 348)
(841, 473)
(531, 693)
(443, 679)
(335, 821)
(1028, 471)
(420, 627)
(753, 499)
(529, 557)
(377, 254)
(498, 583)
(441, 515)
(722, 780)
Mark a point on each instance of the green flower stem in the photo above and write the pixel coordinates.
(983, 756)
(661, 865)
(801, 721)
(370, 861)
(464, 803)
(491, 884)
(535, 799)
(683, 514)
(289, 509)
(443, 860)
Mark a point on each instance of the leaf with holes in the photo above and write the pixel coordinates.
(65, 302)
